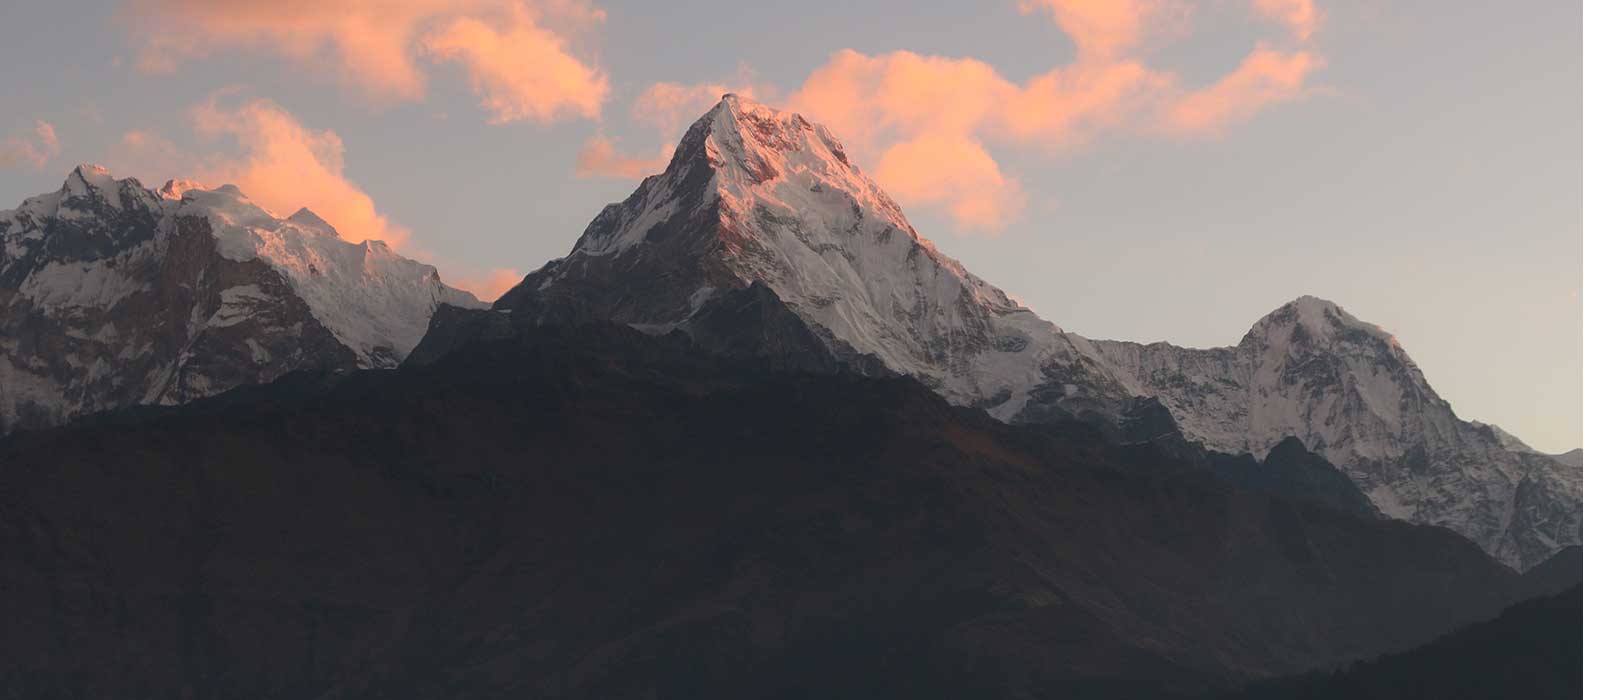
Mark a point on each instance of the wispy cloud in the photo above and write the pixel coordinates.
(34, 147)
(599, 158)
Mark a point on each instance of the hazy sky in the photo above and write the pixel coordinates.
(1133, 169)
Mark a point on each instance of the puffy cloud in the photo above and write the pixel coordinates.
(896, 111)
(599, 158)
(34, 147)
(511, 50)
(956, 173)
(668, 108)
(283, 166)
(519, 69)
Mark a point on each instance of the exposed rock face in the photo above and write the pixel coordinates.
(760, 199)
(114, 295)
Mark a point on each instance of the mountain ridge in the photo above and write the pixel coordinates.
(115, 294)
(753, 195)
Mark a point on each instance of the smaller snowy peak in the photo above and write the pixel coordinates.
(90, 188)
(374, 300)
(173, 190)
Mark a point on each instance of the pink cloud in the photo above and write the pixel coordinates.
(520, 66)
(35, 146)
(893, 109)
(283, 166)
(955, 173)
(599, 158)
(519, 69)
(1265, 77)
(1300, 16)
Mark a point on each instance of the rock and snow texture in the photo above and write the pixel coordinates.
(757, 195)
(1348, 391)
(112, 295)
(757, 198)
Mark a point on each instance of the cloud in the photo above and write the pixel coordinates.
(1300, 16)
(490, 285)
(599, 158)
(283, 166)
(1266, 76)
(35, 146)
(519, 69)
(1105, 30)
(670, 107)
(956, 173)
(895, 110)
(519, 64)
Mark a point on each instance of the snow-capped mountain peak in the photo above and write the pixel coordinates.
(113, 294)
(756, 201)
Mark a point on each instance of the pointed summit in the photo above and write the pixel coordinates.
(309, 219)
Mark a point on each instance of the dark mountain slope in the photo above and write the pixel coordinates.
(591, 512)
(1533, 651)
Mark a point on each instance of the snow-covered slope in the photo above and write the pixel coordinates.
(112, 294)
(753, 194)
(757, 199)
(1347, 390)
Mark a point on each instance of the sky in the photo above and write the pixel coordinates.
(1133, 169)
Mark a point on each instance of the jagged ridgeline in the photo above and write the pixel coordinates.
(114, 295)
(762, 237)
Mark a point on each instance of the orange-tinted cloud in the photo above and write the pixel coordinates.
(519, 69)
(1106, 30)
(599, 158)
(490, 285)
(520, 66)
(34, 147)
(1266, 76)
(1300, 16)
(670, 107)
(892, 110)
(956, 173)
(283, 166)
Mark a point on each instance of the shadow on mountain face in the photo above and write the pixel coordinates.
(1533, 650)
(591, 512)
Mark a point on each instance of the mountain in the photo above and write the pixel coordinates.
(761, 211)
(1571, 458)
(112, 294)
(588, 511)
(1350, 393)
(1532, 651)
